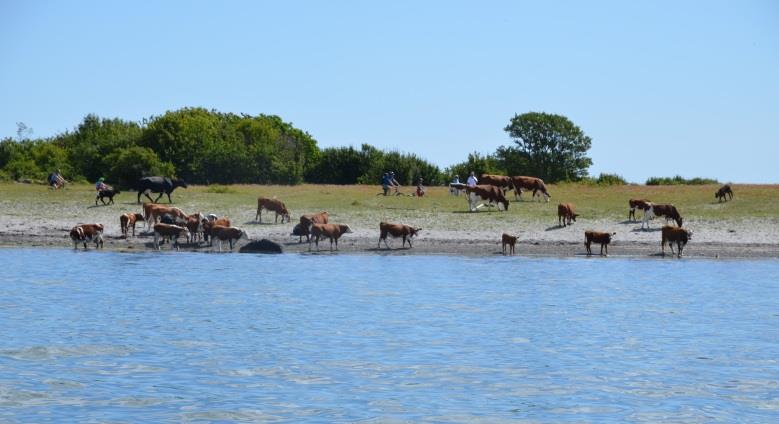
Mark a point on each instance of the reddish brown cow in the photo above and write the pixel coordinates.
(273, 205)
(672, 235)
(156, 211)
(128, 220)
(169, 232)
(84, 233)
(397, 230)
(565, 212)
(529, 183)
(634, 204)
(596, 237)
(723, 192)
(510, 241)
(228, 234)
(489, 193)
(302, 229)
(501, 181)
(330, 231)
(209, 225)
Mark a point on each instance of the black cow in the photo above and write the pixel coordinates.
(109, 193)
(159, 185)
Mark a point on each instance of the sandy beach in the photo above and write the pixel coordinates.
(46, 223)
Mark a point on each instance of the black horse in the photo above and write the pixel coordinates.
(159, 185)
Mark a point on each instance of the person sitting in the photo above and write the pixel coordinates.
(56, 180)
(420, 188)
(100, 185)
(454, 190)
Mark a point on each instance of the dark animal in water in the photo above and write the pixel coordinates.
(161, 185)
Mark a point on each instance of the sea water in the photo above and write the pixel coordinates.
(171, 337)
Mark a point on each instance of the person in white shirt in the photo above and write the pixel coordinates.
(472, 181)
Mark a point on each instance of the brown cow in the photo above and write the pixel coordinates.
(208, 225)
(565, 212)
(723, 192)
(84, 233)
(674, 234)
(128, 220)
(634, 204)
(397, 230)
(194, 224)
(330, 231)
(501, 181)
(667, 210)
(603, 238)
(152, 212)
(228, 234)
(169, 232)
(529, 183)
(510, 241)
(487, 193)
(302, 229)
(273, 205)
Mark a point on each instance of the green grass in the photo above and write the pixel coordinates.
(361, 205)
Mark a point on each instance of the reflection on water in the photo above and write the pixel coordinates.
(192, 337)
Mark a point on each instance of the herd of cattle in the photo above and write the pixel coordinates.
(169, 223)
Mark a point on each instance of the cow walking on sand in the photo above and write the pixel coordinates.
(397, 230)
(329, 231)
(566, 213)
(597, 237)
(677, 235)
(510, 241)
(272, 205)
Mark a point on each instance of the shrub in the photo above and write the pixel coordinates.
(219, 189)
(20, 168)
(610, 180)
(129, 164)
(679, 180)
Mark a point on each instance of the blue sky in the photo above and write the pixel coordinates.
(663, 88)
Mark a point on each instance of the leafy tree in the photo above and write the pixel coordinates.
(555, 148)
(94, 140)
(129, 164)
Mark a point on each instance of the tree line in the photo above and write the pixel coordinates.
(206, 146)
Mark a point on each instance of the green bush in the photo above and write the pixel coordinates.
(219, 189)
(20, 168)
(679, 180)
(128, 165)
(610, 180)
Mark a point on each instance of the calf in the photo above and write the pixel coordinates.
(668, 211)
(84, 233)
(109, 193)
(397, 230)
(636, 204)
(330, 231)
(274, 205)
(229, 234)
(510, 241)
(529, 183)
(169, 232)
(302, 229)
(491, 194)
(128, 220)
(603, 238)
(674, 234)
(723, 192)
(565, 212)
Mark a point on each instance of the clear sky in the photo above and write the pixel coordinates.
(663, 88)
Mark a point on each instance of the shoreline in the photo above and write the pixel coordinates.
(473, 248)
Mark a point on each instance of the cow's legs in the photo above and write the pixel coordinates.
(169, 199)
(258, 217)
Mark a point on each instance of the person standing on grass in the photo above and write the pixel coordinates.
(393, 182)
(385, 183)
(472, 181)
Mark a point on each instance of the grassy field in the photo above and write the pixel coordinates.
(360, 204)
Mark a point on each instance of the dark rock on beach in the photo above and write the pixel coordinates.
(261, 246)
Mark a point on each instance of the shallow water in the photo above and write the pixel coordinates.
(199, 337)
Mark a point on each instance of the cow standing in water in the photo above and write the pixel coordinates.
(161, 185)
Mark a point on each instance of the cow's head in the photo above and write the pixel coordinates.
(573, 216)
(346, 229)
(505, 204)
(679, 221)
(414, 231)
(179, 182)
